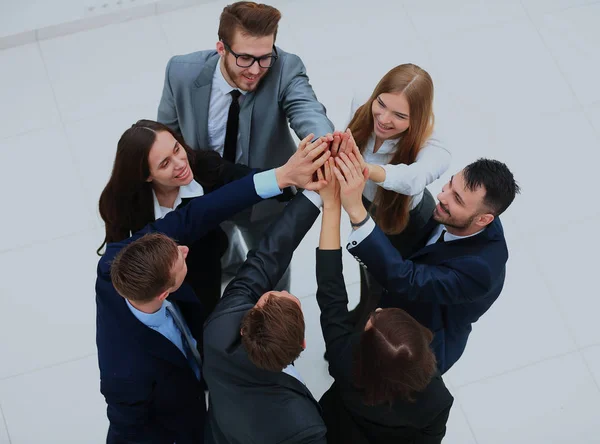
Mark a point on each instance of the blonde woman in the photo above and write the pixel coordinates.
(393, 131)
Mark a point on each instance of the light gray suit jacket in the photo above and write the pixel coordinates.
(283, 94)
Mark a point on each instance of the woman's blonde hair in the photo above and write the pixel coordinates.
(392, 211)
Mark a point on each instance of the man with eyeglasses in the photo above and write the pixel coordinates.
(238, 101)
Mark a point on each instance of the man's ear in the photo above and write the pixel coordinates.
(483, 220)
(220, 48)
(164, 295)
(304, 344)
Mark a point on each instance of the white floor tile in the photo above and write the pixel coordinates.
(94, 72)
(568, 262)
(61, 404)
(94, 145)
(192, 29)
(48, 306)
(4, 438)
(522, 327)
(555, 401)
(43, 197)
(458, 430)
(593, 114)
(592, 358)
(434, 18)
(573, 36)
(25, 92)
(540, 7)
(530, 147)
(505, 70)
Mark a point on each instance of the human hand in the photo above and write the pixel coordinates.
(330, 193)
(352, 181)
(338, 145)
(308, 158)
(352, 147)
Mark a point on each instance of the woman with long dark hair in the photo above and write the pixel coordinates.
(393, 130)
(154, 173)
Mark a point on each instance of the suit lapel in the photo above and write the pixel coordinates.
(201, 99)
(150, 340)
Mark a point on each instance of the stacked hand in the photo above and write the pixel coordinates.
(300, 168)
(352, 176)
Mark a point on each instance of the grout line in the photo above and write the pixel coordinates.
(5, 424)
(47, 241)
(460, 407)
(590, 371)
(79, 173)
(39, 369)
(552, 55)
(513, 370)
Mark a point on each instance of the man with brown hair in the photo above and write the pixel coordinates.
(148, 320)
(238, 100)
(252, 339)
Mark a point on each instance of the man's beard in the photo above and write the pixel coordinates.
(453, 224)
(234, 76)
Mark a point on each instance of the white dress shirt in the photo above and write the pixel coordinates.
(431, 162)
(218, 111)
(192, 189)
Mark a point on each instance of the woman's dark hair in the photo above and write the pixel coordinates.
(393, 359)
(126, 203)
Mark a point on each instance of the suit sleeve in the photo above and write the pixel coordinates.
(434, 432)
(333, 302)
(167, 112)
(265, 266)
(304, 112)
(454, 282)
(129, 413)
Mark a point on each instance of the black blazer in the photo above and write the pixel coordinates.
(445, 286)
(347, 418)
(153, 395)
(246, 404)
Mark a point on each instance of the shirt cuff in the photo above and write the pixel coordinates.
(265, 184)
(360, 234)
(314, 197)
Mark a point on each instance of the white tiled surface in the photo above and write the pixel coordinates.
(515, 80)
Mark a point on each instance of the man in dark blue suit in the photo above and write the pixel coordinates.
(150, 366)
(458, 270)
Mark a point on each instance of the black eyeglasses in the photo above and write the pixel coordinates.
(247, 60)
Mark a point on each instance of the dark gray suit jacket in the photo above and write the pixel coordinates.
(249, 405)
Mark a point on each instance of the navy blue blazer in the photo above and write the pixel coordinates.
(445, 286)
(152, 393)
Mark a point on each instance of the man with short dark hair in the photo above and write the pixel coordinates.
(251, 341)
(238, 101)
(149, 320)
(459, 270)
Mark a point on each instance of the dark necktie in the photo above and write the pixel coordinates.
(441, 238)
(191, 352)
(233, 119)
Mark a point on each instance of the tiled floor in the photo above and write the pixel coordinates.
(515, 79)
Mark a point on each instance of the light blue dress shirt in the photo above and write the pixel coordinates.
(162, 322)
(265, 184)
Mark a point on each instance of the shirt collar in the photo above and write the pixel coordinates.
(387, 147)
(152, 320)
(221, 84)
(192, 189)
(448, 237)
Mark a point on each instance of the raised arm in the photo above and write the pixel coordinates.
(331, 292)
(265, 266)
(432, 161)
(304, 112)
(451, 283)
